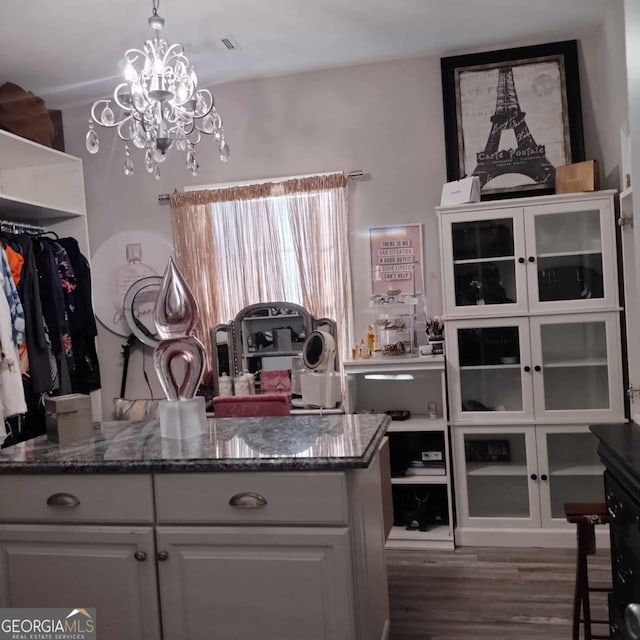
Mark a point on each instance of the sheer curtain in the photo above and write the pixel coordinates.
(275, 241)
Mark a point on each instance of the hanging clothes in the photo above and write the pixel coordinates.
(15, 305)
(46, 308)
(39, 348)
(86, 377)
(12, 399)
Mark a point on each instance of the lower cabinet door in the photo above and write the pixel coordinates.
(111, 569)
(496, 477)
(569, 470)
(243, 583)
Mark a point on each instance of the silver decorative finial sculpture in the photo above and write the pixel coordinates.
(182, 414)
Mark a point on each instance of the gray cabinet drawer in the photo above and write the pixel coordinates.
(273, 498)
(76, 498)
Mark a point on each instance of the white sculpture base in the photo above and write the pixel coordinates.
(181, 419)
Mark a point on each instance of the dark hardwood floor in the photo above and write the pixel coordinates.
(488, 593)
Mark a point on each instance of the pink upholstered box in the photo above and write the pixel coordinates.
(264, 404)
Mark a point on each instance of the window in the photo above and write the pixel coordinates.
(284, 241)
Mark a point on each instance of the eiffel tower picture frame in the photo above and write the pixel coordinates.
(512, 116)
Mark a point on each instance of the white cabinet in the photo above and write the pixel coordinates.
(43, 186)
(534, 355)
(111, 569)
(419, 445)
(519, 477)
(299, 582)
(563, 368)
(534, 255)
(236, 555)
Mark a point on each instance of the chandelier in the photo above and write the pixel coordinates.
(159, 106)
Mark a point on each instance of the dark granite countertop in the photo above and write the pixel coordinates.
(620, 443)
(293, 443)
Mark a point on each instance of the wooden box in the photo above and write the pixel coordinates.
(577, 177)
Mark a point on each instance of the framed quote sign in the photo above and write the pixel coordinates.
(396, 259)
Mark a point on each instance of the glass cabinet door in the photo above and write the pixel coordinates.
(497, 476)
(573, 372)
(567, 256)
(570, 470)
(490, 370)
(484, 259)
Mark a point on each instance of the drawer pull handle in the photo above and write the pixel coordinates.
(632, 620)
(67, 500)
(162, 556)
(247, 500)
(140, 556)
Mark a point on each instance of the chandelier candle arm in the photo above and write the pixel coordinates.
(159, 106)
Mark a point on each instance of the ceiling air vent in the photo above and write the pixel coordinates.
(229, 43)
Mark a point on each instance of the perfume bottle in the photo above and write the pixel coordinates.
(126, 275)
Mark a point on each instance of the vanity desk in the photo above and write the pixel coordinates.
(265, 528)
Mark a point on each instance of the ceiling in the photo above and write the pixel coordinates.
(70, 51)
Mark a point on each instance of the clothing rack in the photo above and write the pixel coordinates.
(164, 198)
(10, 226)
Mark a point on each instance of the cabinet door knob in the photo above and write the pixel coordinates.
(632, 620)
(532, 259)
(537, 368)
(527, 369)
(521, 260)
(247, 500)
(67, 500)
(140, 556)
(162, 556)
(534, 476)
(543, 476)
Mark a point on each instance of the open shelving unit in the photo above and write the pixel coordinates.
(422, 504)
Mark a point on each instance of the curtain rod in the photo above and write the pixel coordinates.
(163, 198)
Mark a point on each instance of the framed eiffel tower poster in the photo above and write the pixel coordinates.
(512, 116)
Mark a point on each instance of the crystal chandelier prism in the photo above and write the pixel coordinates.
(159, 106)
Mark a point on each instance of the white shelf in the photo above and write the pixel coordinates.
(265, 352)
(32, 211)
(437, 532)
(440, 479)
(385, 364)
(579, 470)
(489, 366)
(481, 260)
(587, 362)
(37, 183)
(496, 469)
(20, 153)
(568, 254)
(417, 423)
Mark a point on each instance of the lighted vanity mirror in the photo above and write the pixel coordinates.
(265, 339)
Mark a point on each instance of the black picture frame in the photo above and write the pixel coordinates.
(539, 107)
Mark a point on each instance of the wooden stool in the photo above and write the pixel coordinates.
(585, 515)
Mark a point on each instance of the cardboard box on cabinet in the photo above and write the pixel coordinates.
(577, 177)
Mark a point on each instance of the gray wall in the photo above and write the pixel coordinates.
(384, 118)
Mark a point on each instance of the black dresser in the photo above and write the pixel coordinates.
(619, 450)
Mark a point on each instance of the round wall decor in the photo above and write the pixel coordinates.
(120, 261)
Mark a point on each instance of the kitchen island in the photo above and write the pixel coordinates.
(266, 528)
